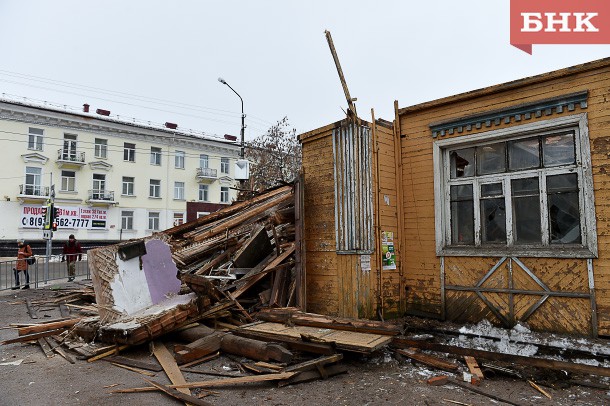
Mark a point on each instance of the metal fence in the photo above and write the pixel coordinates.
(44, 270)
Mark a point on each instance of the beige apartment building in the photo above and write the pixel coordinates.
(112, 179)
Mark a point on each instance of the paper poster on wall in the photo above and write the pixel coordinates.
(387, 248)
(365, 263)
(90, 218)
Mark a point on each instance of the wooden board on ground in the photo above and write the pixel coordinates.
(345, 340)
(169, 365)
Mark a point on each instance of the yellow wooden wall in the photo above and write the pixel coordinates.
(422, 266)
(336, 284)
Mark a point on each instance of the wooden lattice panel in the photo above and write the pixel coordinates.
(466, 271)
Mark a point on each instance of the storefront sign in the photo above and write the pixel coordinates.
(89, 218)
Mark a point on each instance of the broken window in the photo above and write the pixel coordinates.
(522, 191)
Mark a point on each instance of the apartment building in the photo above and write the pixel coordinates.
(112, 179)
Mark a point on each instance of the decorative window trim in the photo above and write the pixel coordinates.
(34, 157)
(100, 166)
(588, 247)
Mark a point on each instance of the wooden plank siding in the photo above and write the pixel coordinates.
(336, 285)
(422, 267)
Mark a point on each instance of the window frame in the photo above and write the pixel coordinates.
(67, 180)
(178, 215)
(156, 187)
(154, 216)
(206, 190)
(225, 165)
(179, 159)
(100, 148)
(179, 190)
(224, 192)
(129, 219)
(127, 183)
(204, 161)
(155, 156)
(129, 152)
(442, 182)
(35, 141)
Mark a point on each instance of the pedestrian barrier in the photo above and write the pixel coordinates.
(43, 270)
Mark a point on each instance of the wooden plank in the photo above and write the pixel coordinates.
(217, 383)
(188, 399)
(138, 370)
(64, 310)
(313, 375)
(429, 360)
(108, 353)
(473, 367)
(48, 352)
(117, 359)
(496, 356)
(57, 348)
(481, 392)
(201, 360)
(38, 328)
(31, 337)
(169, 365)
(311, 364)
(31, 311)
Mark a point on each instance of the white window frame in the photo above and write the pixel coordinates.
(178, 218)
(128, 185)
(224, 194)
(34, 173)
(442, 182)
(204, 161)
(154, 220)
(205, 189)
(101, 148)
(129, 152)
(68, 183)
(224, 165)
(35, 140)
(154, 190)
(155, 156)
(202, 214)
(178, 190)
(179, 159)
(127, 219)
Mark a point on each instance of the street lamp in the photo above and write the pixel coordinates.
(243, 116)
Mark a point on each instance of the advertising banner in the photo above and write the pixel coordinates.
(80, 217)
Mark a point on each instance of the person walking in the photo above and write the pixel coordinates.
(71, 251)
(23, 254)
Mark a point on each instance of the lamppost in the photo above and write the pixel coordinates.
(243, 116)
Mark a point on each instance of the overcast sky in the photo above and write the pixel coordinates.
(160, 60)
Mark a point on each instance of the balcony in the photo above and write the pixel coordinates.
(100, 197)
(206, 175)
(33, 193)
(70, 159)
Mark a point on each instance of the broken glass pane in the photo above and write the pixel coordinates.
(462, 215)
(491, 159)
(462, 163)
(493, 221)
(491, 189)
(526, 211)
(558, 149)
(564, 218)
(523, 154)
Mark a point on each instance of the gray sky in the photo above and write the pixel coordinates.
(160, 60)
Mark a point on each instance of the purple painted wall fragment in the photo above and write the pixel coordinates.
(160, 271)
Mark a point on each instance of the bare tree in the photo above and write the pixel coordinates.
(275, 156)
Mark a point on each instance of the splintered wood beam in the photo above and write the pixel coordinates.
(255, 349)
(48, 352)
(114, 351)
(31, 311)
(498, 356)
(39, 328)
(138, 370)
(32, 337)
(57, 348)
(169, 365)
(429, 360)
(473, 367)
(255, 278)
(312, 375)
(188, 399)
(134, 363)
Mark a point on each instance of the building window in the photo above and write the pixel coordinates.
(178, 219)
(224, 194)
(68, 181)
(99, 187)
(126, 220)
(203, 193)
(33, 180)
(224, 165)
(69, 150)
(153, 220)
(101, 148)
(155, 188)
(518, 191)
(128, 184)
(179, 160)
(129, 152)
(179, 190)
(155, 156)
(35, 138)
(204, 161)
(202, 214)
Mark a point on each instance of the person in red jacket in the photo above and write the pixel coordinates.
(71, 251)
(22, 264)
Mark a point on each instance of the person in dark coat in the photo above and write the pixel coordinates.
(71, 252)
(23, 253)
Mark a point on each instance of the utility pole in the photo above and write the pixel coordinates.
(49, 226)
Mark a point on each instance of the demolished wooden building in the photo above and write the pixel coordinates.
(490, 204)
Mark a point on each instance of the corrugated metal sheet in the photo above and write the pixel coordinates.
(352, 153)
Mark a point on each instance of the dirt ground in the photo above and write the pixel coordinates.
(380, 379)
